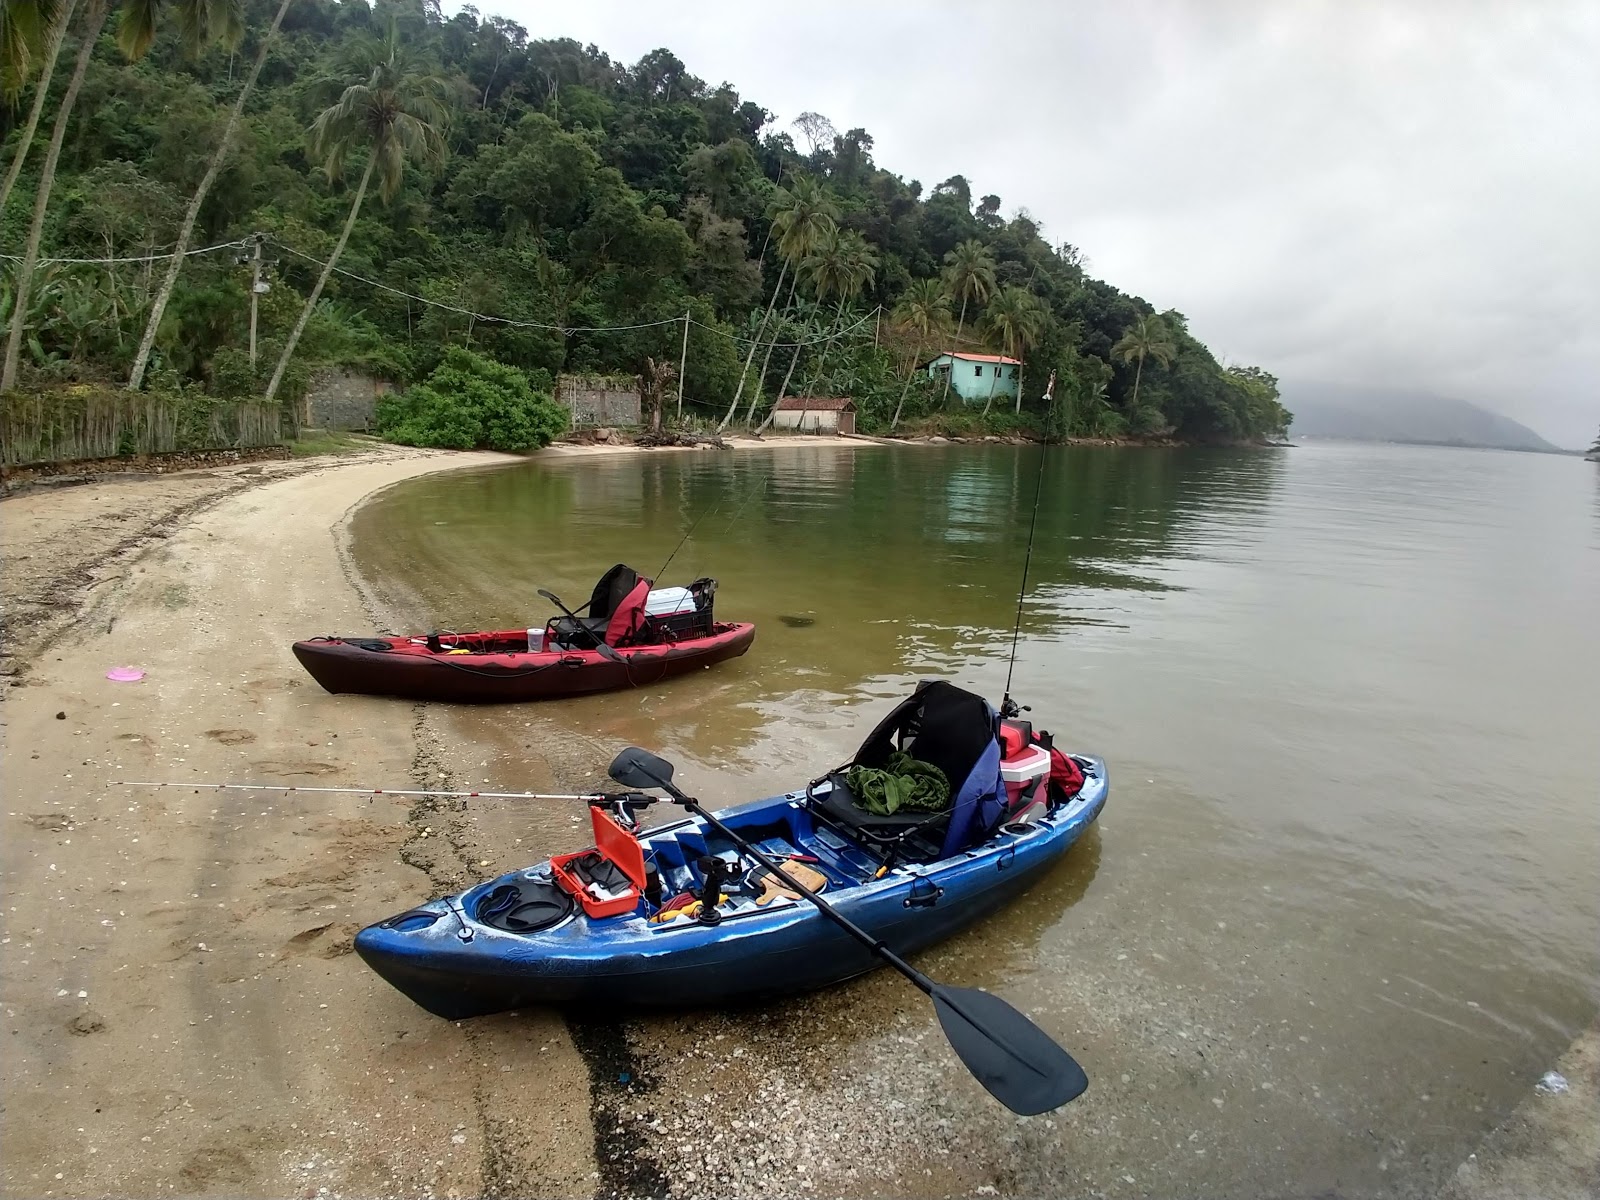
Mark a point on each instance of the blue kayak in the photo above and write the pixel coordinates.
(626, 924)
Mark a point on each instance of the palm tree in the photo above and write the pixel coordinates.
(1016, 319)
(969, 273)
(199, 22)
(186, 231)
(396, 114)
(842, 265)
(800, 216)
(924, 309)
(1147, 337)
(20, 30)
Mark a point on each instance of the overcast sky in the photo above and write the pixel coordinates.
(1401, 193)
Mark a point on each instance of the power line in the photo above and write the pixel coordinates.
(486, 318)
(518, 323)
(142, 258)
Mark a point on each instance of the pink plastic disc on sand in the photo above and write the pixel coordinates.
(125, 674)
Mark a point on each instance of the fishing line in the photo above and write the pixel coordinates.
(345, 791)
(1008, 706)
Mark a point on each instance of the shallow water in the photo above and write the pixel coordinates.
(1349, 696)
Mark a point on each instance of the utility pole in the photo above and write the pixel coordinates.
(256, 288)
(683, 361)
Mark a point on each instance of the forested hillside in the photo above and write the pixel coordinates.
(549, 209)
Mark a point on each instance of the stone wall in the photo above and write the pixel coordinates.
(598, 401)
(341, 399)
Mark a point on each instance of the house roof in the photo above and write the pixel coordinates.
(817, 404)
(988, 358)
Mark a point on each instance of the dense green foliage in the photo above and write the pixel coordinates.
(470, 402)
(585, 205)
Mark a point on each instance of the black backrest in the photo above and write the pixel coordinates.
(612, 589)
(938, 723)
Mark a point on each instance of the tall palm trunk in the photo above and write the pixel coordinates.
(783, 389)
(944, 396)
(58, 33)
(750, 357)
(1134, 407)
(147, 343)
(316, 292)
(994, 380)
(1021, 365)
(910, 375)
(833, 332)
(766, 359)
(93, 23)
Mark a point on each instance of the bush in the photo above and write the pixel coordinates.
(470, 402)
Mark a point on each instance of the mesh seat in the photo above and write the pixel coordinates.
(940, 724)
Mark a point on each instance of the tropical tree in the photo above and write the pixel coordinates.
(923, 310)
(801, 216)
(186, 231)
(22, 37)
(842, 265)
(969, 274)
(1594, 450)
(1148, 337)
(199, 22)
(1015, 319)
(395, 114)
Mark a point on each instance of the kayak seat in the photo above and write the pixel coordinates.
(576, 633)
(592, 623)
(908, 837)
(949, 728)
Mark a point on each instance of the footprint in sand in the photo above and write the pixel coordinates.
(231, 737)
(279, 766)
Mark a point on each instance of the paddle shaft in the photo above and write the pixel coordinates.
(925, 984)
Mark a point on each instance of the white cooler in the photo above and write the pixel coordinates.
(1021, 772)
(667, 602)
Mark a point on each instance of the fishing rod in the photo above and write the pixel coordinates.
(345, 791)
(706, 513)
(1008, 706)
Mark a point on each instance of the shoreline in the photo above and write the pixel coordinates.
(179, 983)
(183, 1006)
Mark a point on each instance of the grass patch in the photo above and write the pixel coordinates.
(312, 442)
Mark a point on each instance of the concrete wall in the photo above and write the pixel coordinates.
(972, 381)
(594, 402)
(340, 399)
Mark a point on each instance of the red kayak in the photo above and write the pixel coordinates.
(627, 635)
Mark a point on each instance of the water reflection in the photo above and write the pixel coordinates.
(863, 570)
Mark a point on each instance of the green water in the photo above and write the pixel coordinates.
(1349, 696)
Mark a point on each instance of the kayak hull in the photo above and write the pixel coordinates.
(456, 966)
(408, 670)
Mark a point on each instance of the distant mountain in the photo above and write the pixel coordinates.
(1326, 410)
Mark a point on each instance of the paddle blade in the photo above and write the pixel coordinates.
(1011, 1056)
(607, 652)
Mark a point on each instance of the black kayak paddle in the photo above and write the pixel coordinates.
(1019, 1063)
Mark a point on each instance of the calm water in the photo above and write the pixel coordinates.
(1350, 697)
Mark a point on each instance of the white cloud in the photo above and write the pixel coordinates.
(1351, 190)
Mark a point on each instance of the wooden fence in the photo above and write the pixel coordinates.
(88, 423)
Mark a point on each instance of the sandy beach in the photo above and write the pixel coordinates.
(184, 1016)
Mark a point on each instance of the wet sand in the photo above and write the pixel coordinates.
(183, 1014)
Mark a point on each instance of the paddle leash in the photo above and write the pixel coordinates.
(1017, 1062)
(1008, 706)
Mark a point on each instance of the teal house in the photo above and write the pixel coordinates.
(975, 377)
